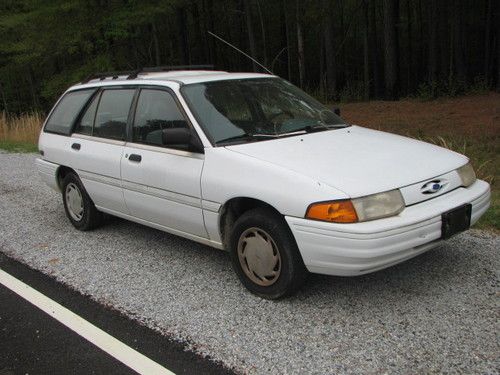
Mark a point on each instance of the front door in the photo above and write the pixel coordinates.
(161, 185)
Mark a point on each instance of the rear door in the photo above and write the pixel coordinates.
(55, 139)
(97, 145)
(162, 184)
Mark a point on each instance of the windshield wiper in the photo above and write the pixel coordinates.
(325, 126)
(312, 129)
(245, 136)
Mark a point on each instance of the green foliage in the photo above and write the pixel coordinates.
(45, 46)
(23, 147)
(352, 92)
(491, 219)
(479, 86)
(452, 87)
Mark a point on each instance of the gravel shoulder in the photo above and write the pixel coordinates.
(438, 312)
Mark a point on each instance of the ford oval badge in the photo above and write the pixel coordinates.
(432, 187)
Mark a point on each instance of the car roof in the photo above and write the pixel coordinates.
(181, 77)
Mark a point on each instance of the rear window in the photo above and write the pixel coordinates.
(67, 110)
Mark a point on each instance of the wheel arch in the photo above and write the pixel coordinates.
(232, 209)
(61, 172)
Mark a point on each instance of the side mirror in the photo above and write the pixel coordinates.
(336, 110)
(181, 137)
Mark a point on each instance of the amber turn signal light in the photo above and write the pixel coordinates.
(335, 211)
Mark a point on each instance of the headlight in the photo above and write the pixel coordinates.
(371, 207)
(467, 174)
(380, 205)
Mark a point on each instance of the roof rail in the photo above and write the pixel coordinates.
(168, 68)
(132, 74)
(112, 75)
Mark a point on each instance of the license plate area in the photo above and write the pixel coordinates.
(455, 221)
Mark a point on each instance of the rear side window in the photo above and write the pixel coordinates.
(67, 110)
(156, 110)
(87, 121)
(112, 113)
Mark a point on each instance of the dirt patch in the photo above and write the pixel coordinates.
(469, 116)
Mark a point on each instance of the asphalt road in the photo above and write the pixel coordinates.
(435, 313)
(32, 342)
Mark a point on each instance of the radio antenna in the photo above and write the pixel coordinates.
(240, 51)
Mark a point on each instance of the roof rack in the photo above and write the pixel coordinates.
(132, 74)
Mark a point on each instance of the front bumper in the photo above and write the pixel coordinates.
(356, 249)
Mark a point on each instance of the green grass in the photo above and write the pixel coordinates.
(491, 219)
(13, 146)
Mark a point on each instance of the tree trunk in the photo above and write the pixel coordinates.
(498, 47)
(487, 42)
(288, 40)
(432, 17)
(391, 63)
(200, 37)
(4, 101)
(31, 81)
(184, 43)
(420, 70)
(209, 26)
(156, 44)
(409, 83)
(374, 51)
(458, 47)
(323, 86)
(283, 36)
(263, 31)
(366, 52)
(251, 35)
(331, 79)
(300, 45)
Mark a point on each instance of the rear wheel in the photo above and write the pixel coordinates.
(79, 208)
(265, 255)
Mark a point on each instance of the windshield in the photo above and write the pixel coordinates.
(247, 110)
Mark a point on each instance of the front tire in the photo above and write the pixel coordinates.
(265, 256)
(78, 205)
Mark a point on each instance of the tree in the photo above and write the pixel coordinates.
(366, 52)
(351, 48)
(391, 50)
(300, 44)
(433, 61)
(331, 79)
(251, 35)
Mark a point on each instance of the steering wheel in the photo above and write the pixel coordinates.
(281, 113)
(274, 116)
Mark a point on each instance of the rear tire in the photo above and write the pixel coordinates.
(265, 256)
(78, 205)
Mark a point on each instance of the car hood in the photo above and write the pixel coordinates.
(356, 160)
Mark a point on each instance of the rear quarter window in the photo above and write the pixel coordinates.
(66, 111)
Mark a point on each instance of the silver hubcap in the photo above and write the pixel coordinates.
(259, 257)
(74, 201)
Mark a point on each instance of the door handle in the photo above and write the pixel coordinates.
(76, 146)
(134, 157)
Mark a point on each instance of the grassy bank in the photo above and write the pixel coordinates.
(20, 133)
(469, 125)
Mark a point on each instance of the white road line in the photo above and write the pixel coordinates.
(123, 353)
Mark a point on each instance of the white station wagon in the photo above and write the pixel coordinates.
(250, 164)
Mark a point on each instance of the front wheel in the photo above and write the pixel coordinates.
(265, 255)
